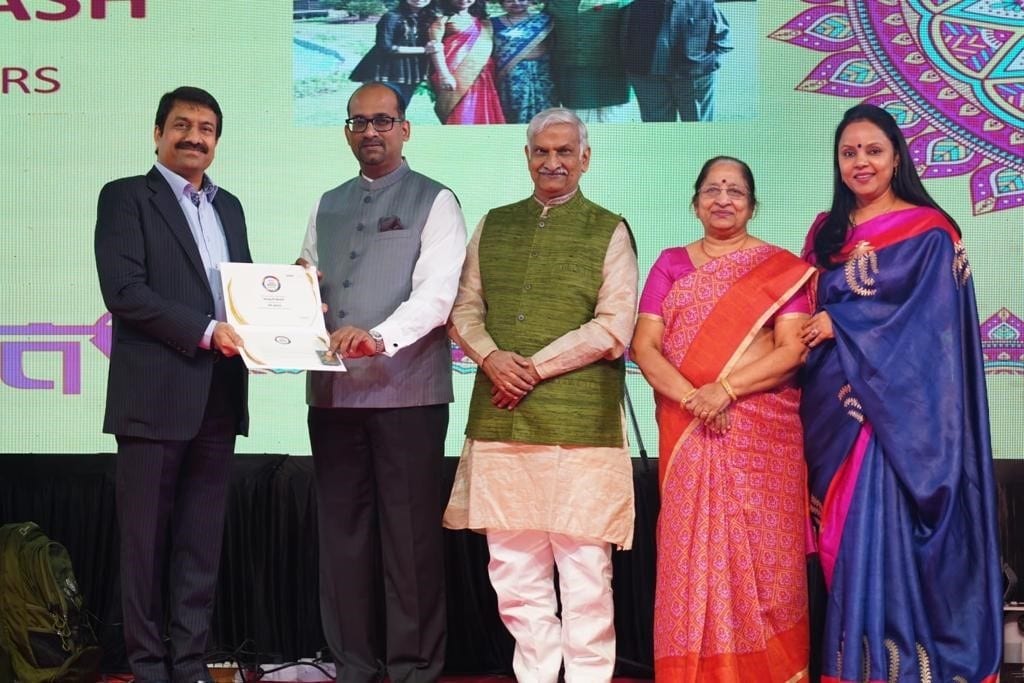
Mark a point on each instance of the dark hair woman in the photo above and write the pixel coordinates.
(896, 427)
(718, 338)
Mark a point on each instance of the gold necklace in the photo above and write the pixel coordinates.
(712, 258)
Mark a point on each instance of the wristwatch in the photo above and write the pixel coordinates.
(378, 341)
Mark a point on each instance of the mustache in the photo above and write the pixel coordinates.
(560, 171)
(371, 143)
(197, 146)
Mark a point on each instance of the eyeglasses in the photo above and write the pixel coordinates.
(381, 124)
(713, 192)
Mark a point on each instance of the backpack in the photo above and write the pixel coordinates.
(43, 627)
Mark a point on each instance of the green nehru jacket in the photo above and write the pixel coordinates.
(587, 59)
(540, 277)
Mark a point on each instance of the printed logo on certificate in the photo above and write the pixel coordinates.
(277, 311)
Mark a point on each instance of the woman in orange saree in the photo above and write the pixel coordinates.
(718, 340)
(463, 77)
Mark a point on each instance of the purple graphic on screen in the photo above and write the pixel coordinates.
(12, 355)
(1002, 342)
(13, 352)
(951, 73)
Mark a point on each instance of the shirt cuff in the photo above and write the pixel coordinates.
(207, 341)
(393, 342)
(484, 349)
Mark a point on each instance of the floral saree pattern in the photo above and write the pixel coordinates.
(731, 595)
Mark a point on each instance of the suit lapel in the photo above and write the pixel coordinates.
(232, 223)
(167, 206)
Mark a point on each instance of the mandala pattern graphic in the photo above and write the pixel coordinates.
(950, 71)
(1002, 342)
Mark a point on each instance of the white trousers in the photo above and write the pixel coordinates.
(522, 574)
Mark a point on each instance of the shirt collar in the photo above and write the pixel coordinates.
(385, 180)
(558, 200)
(183, 188)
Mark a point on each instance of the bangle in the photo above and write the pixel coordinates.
(686, 399)
(728, 389)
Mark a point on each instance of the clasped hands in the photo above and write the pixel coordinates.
(512, 377)
(817, 329)
(709, 404)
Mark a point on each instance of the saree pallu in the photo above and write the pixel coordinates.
(731, 593)
(900, 463)
(525, 86)
(468, 56)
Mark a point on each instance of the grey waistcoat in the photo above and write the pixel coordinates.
(368, 242)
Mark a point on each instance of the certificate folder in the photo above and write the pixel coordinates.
(277, 312)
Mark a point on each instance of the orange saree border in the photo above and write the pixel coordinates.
(757, 667)
(724, 336)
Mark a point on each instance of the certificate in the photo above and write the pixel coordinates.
(276, 311)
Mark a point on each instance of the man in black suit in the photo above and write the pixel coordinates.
(672, 50)
(176, 392)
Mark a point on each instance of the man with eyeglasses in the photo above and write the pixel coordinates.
(390, 245)
(546, 307)
(176, 392)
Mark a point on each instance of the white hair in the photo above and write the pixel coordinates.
(553, 117)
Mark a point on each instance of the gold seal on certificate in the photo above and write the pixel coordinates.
(276, 311)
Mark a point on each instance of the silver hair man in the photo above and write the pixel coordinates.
(554, 116)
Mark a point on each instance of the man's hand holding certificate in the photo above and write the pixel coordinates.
(276, 310)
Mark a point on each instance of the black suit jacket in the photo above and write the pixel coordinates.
(154, 285)
(674, 38)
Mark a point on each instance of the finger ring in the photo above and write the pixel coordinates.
(814, 332)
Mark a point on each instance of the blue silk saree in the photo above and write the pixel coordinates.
(899, 460)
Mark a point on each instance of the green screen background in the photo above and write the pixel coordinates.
(278, 153)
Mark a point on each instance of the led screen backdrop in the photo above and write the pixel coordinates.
(81, 79)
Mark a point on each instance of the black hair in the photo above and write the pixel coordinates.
(748, 176)
(424, 15)
(189, 94)
(906, 184)
(478, 9)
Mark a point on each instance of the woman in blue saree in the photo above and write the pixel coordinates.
(522, 61)
(896, 427)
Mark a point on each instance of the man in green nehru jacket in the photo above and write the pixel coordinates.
(546, 307)
(587, 60)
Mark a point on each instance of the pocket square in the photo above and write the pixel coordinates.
(389, 223)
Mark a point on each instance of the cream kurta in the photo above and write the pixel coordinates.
(585, 492)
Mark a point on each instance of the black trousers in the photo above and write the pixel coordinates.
(679, 98)
(171, 497)
(379, 506)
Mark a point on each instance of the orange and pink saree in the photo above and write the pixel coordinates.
(468, 54)
(731, 595)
